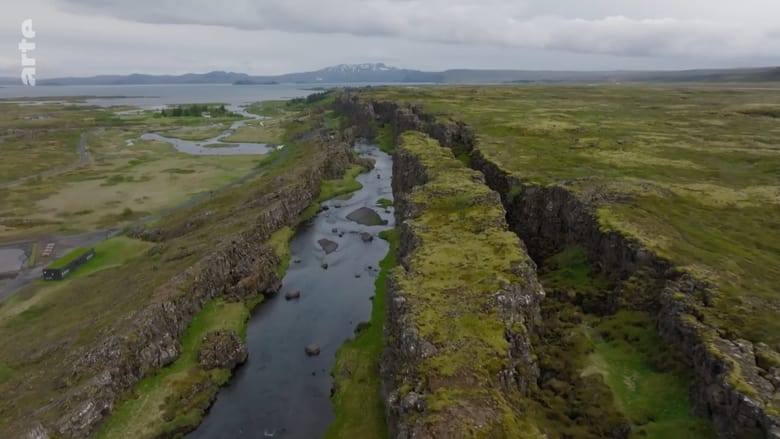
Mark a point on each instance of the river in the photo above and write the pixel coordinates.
(281, 392)
(216, 145)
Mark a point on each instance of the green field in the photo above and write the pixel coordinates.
(692, 172)
(124, 180)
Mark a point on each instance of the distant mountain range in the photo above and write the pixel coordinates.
(381, 73)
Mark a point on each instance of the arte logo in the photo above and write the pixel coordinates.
(28, 63)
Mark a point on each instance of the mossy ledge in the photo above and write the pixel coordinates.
(239, 266)
(461, 305)
(732, 388)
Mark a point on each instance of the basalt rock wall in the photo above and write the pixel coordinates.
(730, 387)
(240, 267)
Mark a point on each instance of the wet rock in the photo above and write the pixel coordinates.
(312, 350)
(366, 237)
(324, 266)
(335, 230)
(366, 216)
(297, 261)
(291, 295)
(328, 245)
(221, 349)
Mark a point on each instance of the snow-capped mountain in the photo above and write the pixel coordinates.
(368, 72)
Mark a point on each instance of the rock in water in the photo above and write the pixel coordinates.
(366, 217)
(312, 350)
(222, 349)
(328, 245)
(366, 237)
(324, 266)
(290, 295)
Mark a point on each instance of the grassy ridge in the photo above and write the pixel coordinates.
(690, 172)
(466, 256)
(177, 396)
(358, 404)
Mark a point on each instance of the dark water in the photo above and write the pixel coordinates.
(280, 392)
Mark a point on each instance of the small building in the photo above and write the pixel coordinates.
(65, 265)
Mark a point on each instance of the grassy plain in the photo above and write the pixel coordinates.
(692, 172)
(260, 131)
(124, 180)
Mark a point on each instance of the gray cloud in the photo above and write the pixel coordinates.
(87, 37)
(653, 32)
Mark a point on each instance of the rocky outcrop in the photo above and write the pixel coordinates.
(222, 350)
(731, 386)
(238, 267)
(416, 364)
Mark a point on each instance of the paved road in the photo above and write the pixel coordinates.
(84, 158)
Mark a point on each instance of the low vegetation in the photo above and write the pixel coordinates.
(358, 403)
(691, 172)
(617, 360)
(175, 399)
(126, 178)
(466, 256)
(70, 257)
(197, 110)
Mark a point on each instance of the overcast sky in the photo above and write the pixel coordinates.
(89, 37)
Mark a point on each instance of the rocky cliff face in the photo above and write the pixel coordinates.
(422, 367)
(731, 387)
(239, 267)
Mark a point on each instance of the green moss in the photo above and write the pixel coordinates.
(385, 137)
(280, 242)
(384, 202)
(647, 377)
(179, 394)
(342, 186)
(466, 256)
(70, 257)
(358, 404)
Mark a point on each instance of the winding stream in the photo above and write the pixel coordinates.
(281, 392)
(216, 145)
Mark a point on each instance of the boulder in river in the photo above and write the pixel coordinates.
(312, 350)
(290, 295)
(366, 237)
(324, 266)
(222, 349)
(366, 216)
(328, 245)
